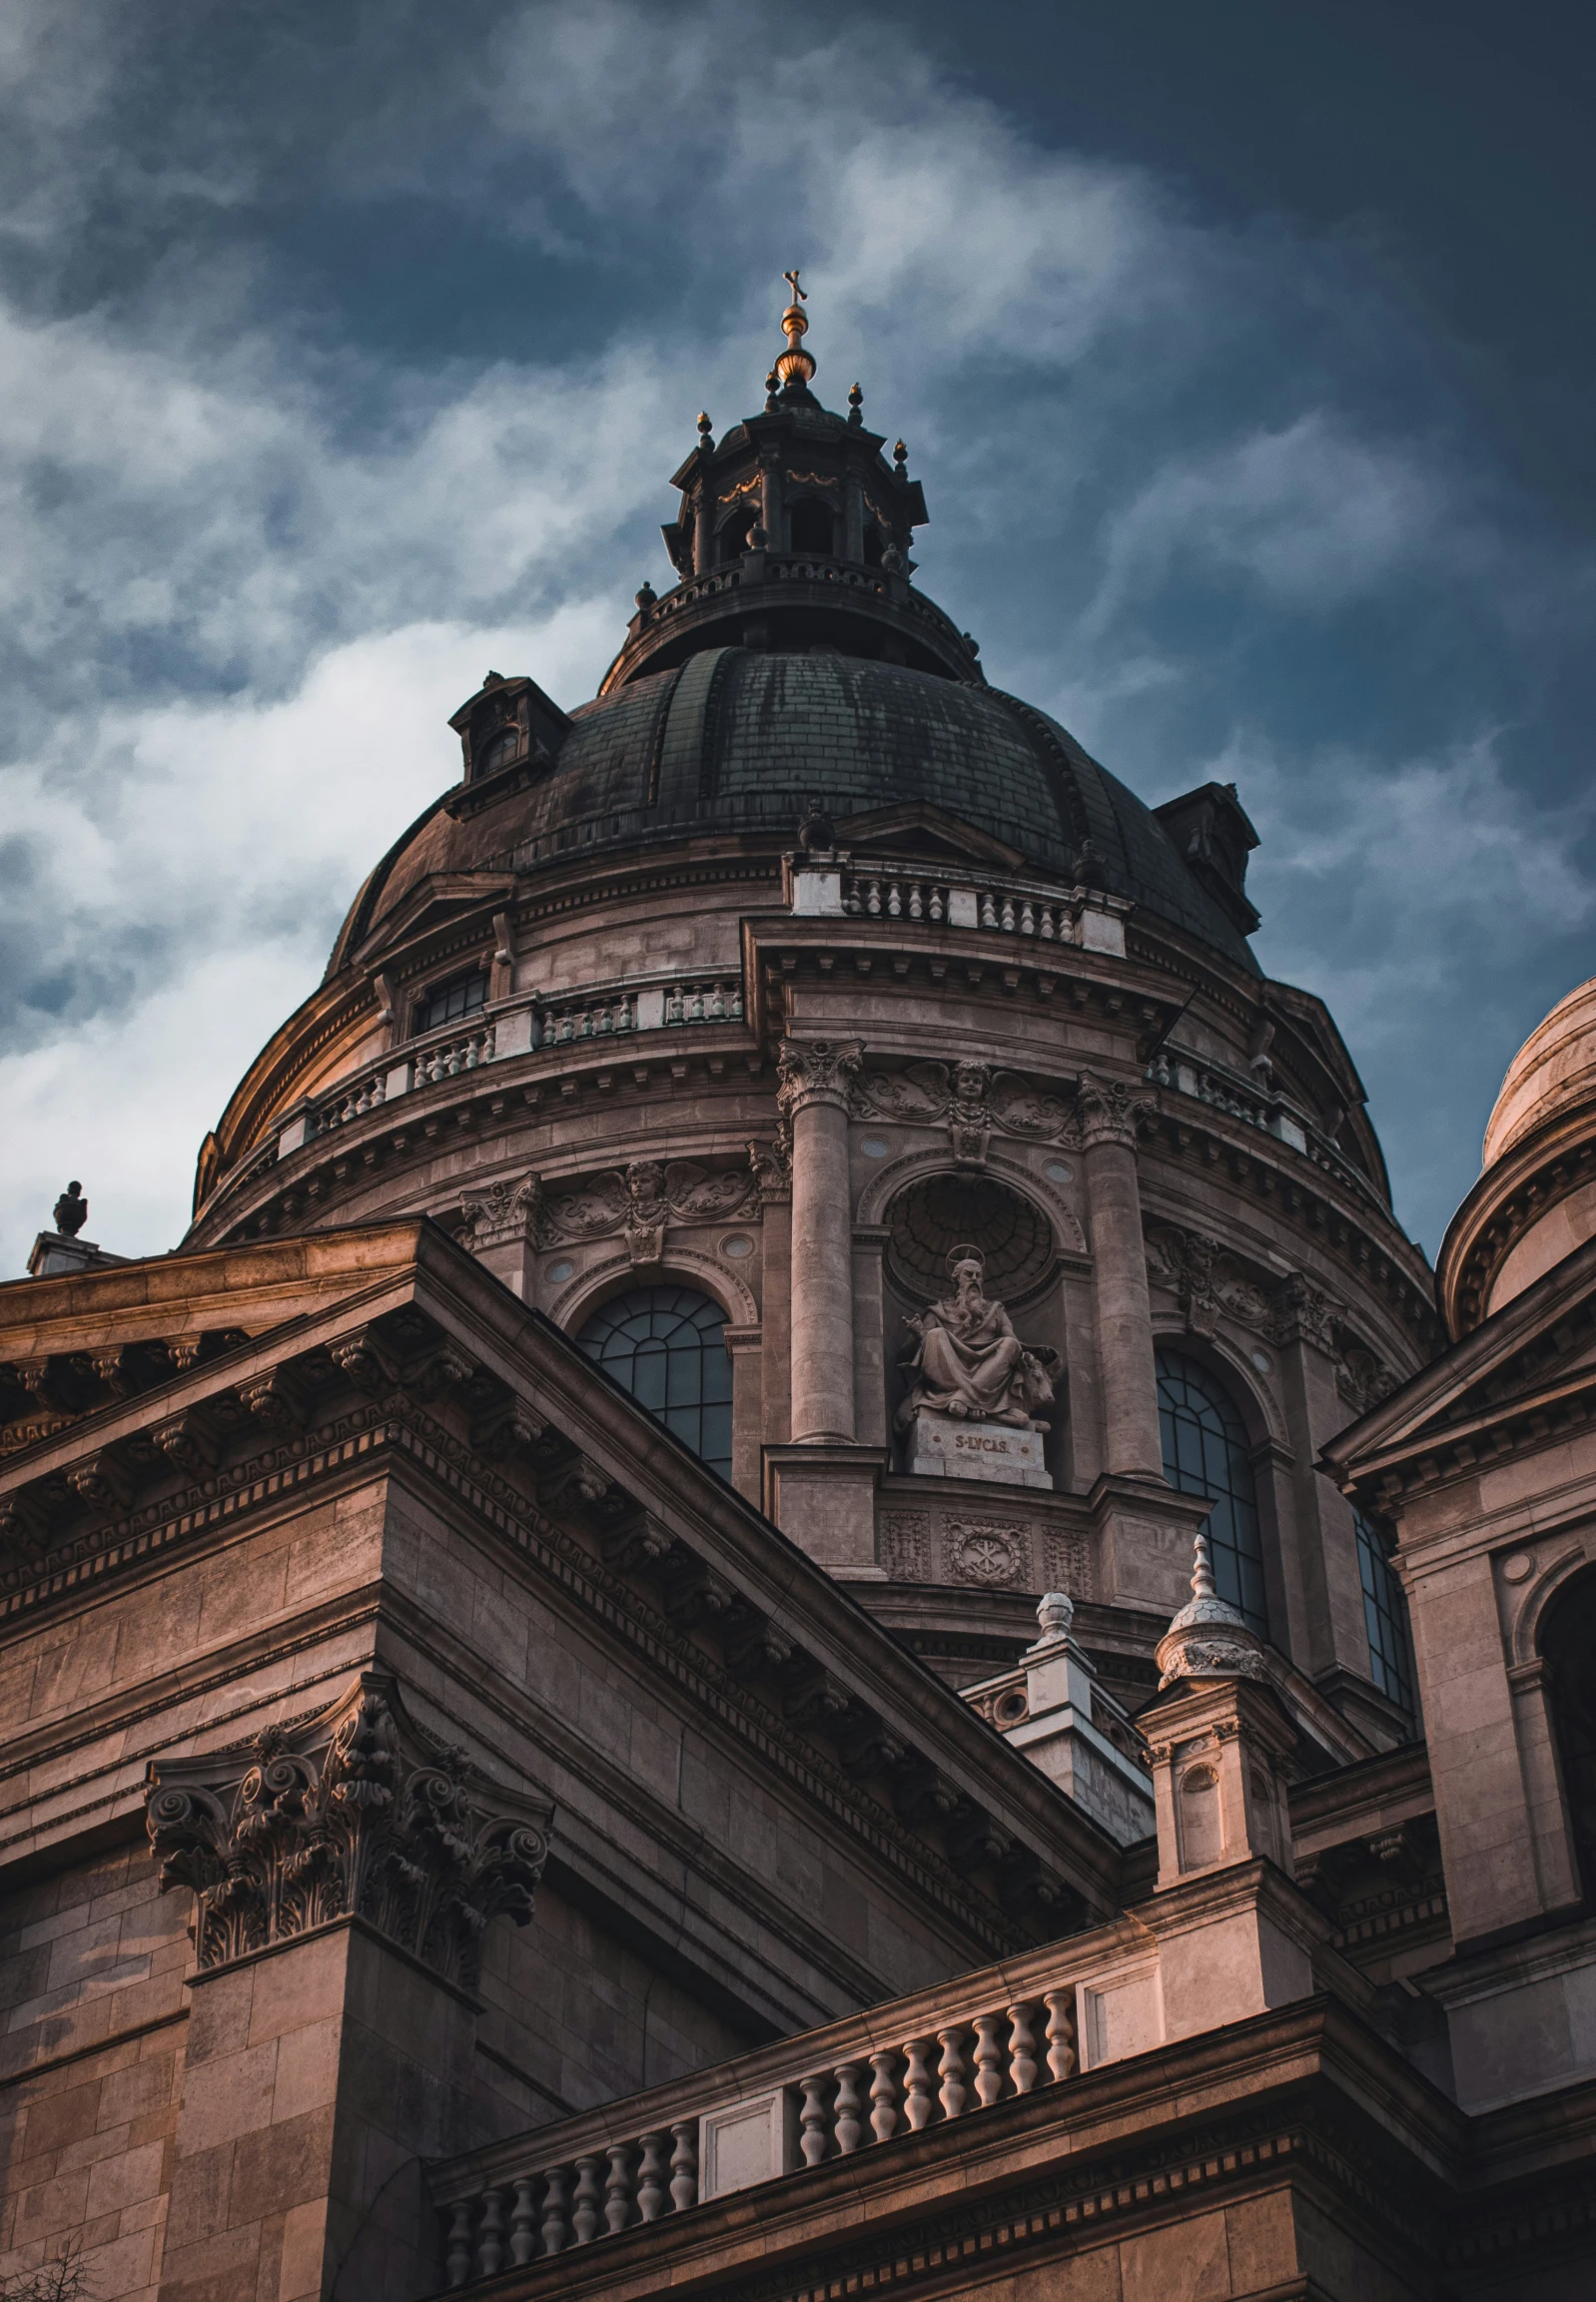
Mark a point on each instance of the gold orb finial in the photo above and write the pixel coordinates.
(795, 365)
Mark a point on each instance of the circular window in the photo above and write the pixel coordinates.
(928, 1220)
(1057, 1170)
(561, 1271)
(666, 1346)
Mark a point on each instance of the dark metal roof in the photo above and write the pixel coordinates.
(741, 741)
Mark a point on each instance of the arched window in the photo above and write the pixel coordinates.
(1385, 1615)
(812, 526)
(1568, 1644)
(1206, 1453)
(732, 539)
(666, 1346)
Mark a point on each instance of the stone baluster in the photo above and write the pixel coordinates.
(1022, 2049)
(1122, 1309)
(884, 2096)
(1061, 2034)
(490, 2237)
(619, 2187)
(651, 2177)
(815, 1077)
(585, 2209)
(523, 2222)
(555, 2230)
(457, 2257)
(919, 2095)
(849, 2127)
(814, 2116)
(685, 2164)
(951, 2071)
(988, 2059)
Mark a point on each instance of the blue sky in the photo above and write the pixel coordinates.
(1244, 354)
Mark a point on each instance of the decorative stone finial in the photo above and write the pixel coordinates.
(1208, 1638)
(900, 458)
(796, 367)
(1056, 1614)
(772, 385)
(856, 405)
(646, 596)
(71, 1211)
(705, 427)
(816, 831)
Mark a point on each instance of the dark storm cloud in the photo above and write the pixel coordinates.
(342, 348)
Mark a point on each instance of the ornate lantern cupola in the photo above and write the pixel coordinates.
(794, 534)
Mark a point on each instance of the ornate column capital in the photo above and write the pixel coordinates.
(1302, 1312)
(503, 1212)
(771, 1167)
(354, 1811)
(816, 1071)
(1110, 1112)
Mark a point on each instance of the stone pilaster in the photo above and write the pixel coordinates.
(343, 1871)
(815, 1079)
(1122, 1310)
(1325, 1599)
(501, 1229)
(772, 1167)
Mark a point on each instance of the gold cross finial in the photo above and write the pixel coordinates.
(799, 295)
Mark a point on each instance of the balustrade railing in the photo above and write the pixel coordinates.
(716, 1000)
(845, 2089)
(604, 1012)
(900, 892)
(602, 1018)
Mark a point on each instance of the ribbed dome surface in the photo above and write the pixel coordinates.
(1553, 1070)
(740, 740)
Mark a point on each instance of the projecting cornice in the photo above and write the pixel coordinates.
(1522, 1380)
(428, 1372)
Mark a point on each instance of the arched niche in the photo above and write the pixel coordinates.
(928, 1204)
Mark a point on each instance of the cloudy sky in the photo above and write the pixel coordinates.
(1244, 352)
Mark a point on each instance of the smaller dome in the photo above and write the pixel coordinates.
(1553, 1070)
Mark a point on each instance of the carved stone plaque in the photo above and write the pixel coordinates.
(943, 1447)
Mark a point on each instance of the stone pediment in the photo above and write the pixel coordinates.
(916, 828)
(434, 903)
(1522, 1379)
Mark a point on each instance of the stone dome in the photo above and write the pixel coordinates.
(1553, 1070)
(1535, 1201)
(740, 740)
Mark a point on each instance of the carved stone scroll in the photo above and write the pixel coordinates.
(353, 1812)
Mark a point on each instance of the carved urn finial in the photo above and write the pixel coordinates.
(1055, 1615)
(1208, 1638)
(71, 1211)
(796, 368)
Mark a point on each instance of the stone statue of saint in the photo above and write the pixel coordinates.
(969, 1362)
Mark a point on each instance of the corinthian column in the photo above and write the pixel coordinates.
(813, 1098)
(1122, 1312)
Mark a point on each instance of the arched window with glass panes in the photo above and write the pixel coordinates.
(1205, 1452)
(666, 1346)
(1385, 1615)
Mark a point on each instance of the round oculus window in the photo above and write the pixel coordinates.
(932, 1217)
